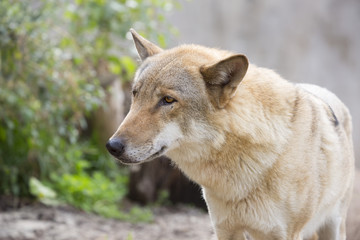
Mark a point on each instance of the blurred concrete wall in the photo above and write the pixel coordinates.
(304, 41)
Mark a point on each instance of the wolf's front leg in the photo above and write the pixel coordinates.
(333, 229)
(247, 234)
(276, 235)
(231, 235)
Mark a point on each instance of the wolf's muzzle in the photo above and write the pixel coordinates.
(116, 147)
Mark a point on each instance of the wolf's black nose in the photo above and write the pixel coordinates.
(115, 146)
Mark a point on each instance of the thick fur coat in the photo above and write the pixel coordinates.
(275, 159)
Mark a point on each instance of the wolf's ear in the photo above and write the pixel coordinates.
(144, 47)
(223, 77)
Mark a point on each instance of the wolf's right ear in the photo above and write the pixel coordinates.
(223, 78)
(144, 47)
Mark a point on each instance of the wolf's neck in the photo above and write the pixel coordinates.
(237, 167)
(243, 140)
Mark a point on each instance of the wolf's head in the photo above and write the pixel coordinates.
(174, 94)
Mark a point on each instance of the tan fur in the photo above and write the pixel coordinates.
(275, 159)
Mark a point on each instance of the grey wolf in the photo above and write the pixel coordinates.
(274, 159)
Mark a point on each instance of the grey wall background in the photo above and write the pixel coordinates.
(304, 41)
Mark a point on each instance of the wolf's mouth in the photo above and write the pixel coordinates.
(158, 153)
(129, 161)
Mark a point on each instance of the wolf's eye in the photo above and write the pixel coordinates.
(168, 100)
(134, 92)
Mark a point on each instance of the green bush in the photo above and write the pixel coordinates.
(93, 192)
(43, 97)
(52, 57)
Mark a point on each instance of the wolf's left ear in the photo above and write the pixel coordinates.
(144, 47)
(223, 77)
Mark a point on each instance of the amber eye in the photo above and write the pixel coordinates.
(167, 100)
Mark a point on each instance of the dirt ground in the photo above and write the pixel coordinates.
(36, 221)
(41, 222)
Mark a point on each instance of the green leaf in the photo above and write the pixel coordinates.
(162, 40)
(115, 68)
(45, 194)
(129, 64)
